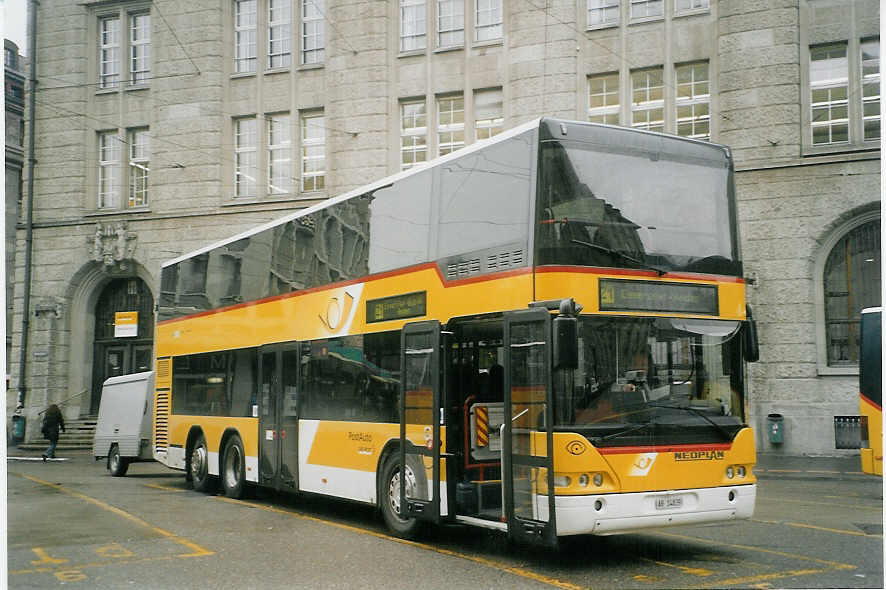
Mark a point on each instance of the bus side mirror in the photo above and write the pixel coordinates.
(565, 342)
(751, 343)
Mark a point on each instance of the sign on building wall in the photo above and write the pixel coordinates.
(125, 324)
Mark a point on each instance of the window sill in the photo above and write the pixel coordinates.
(280, 70)
(840, 148)
(110, 212)
(488, 43)
(602, 26)
(107, 90)
(646, 20)
(306, 67)
(137, 87)
(412, 53)
(695, 12)
(293, 198)
(449, 48)
(824, 371)
(237, 75)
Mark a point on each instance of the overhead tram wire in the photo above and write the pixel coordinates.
(175, 36)
(334, 26)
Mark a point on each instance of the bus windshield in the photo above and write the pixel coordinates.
(634, 208)
(644, 381)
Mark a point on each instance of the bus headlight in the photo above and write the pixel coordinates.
(730, 472)
(598, 479)
(562, 481)
(584, 480)
(742, 471)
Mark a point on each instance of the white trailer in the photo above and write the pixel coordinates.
(123, 432)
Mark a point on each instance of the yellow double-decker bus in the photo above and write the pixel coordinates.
(871, 391)
(544, 333)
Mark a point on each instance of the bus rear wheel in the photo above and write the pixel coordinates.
(233, 471)
(117, 465)
(389, 497)
(199, 467)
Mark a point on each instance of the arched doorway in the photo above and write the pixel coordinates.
(115, 353)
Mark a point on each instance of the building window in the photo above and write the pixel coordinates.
(139, 48)
(450, 124)
(487, 20)
(244, 36)
(279, 16)
(245, 161)
(279, 154)
(313, 38)
(692, 5)
(413, 134)
(647, 108)
(870, 85)
(412, 25)
(646, 9)
(488, 113)
(829, 83)
(693, 101)
(603, 105)
(108, 170)
(139, 166)
(602, 12)
(10, 57)
(450, 23)
(313, 152)
(851, 283)
(109, 52)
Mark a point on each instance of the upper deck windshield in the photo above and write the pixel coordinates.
(657, 204)
(653, 381)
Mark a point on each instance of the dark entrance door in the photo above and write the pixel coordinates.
(278, 416)
(121, 355)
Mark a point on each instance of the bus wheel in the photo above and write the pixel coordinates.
(389, 498)
(233, 472)
(117, 464)
(200, 478)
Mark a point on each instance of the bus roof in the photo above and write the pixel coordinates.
(583, 132)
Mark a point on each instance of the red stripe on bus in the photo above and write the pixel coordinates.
(603, 270)
(865, 398)
(368, 278)
(663, 449)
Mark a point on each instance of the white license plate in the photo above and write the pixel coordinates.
(668, 502)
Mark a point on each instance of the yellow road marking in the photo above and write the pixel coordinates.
(158, 486)
(94, 564)
(695, 571)
(198, 551)
(480, 560)
(762, 577)
(829, 530)
(44, 557)
(833, 564)
(832, 504)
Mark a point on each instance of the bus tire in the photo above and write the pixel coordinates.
(117, 465)
(233, 469)
(199, 467)
(389, 497)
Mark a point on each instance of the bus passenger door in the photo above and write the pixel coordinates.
(278, 417)
(527, 457)
(420, 420)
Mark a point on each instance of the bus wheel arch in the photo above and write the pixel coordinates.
(390, 481)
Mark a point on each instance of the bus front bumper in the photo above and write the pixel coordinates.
(610, 514)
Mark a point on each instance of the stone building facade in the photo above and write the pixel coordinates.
(165, 126)
(14, 100)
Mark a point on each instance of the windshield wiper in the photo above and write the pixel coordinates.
(621, 255)
(635, 428)
(726, 434)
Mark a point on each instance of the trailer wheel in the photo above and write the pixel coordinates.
(233, 470)
(199, 469)
(389, 497)
(117, 465)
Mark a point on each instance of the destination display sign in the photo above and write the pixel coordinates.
(398, 307)
(627, 295)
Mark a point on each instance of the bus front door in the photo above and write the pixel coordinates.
(278, 417)
(420, 421)
(527, 462)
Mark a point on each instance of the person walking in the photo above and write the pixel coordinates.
(52, 421)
